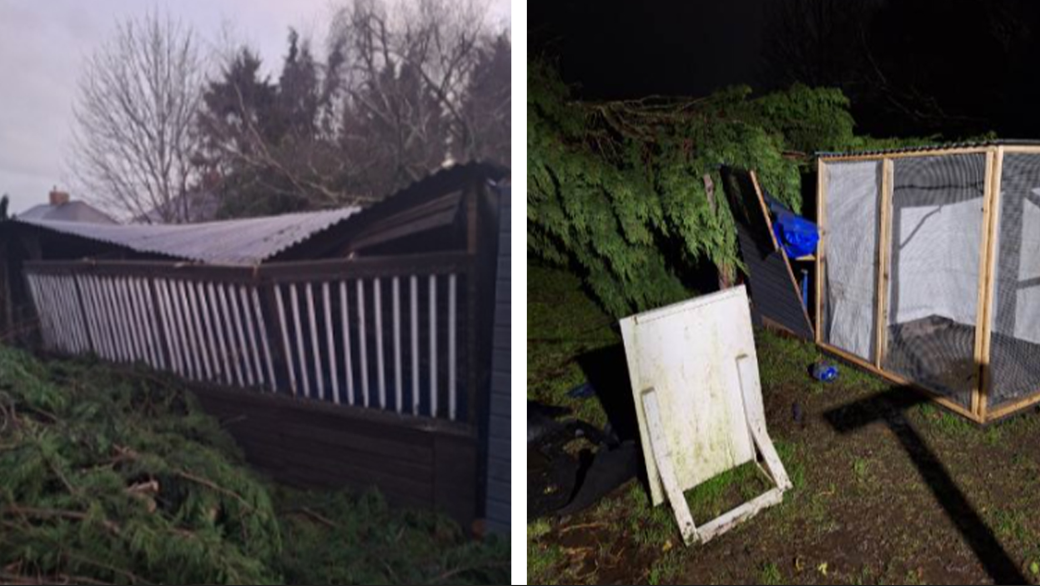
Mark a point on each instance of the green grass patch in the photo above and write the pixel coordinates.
(770, 574)
(542, 558)
(562, 324)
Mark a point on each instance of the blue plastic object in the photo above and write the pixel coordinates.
(797, 235)
(824, 371)
(582, 391)
(805, 288)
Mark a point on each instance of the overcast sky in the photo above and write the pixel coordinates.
(42, 45)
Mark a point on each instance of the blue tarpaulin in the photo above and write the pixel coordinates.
(797, 235)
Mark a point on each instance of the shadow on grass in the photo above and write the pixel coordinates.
(606, 369)
(890, 407)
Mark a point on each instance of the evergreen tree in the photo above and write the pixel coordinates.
(486, 105)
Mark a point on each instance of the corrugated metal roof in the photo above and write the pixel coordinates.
(231, 242)
(252, 241)
(931, 147)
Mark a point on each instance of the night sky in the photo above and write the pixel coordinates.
(952, 69)
(617, 50)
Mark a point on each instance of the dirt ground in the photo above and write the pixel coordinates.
(889, 489)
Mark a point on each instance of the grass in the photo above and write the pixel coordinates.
(852, 489)
(770, 574)
(559, 339)
(542, 558)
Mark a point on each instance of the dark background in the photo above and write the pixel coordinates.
(950, 68)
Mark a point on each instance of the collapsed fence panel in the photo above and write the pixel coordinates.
(385, 335)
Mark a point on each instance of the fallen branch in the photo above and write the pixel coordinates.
(462, 570)
(209, 484)
(36, 513)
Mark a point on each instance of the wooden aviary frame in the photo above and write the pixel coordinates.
(984, 385)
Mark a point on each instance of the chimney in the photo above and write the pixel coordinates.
(59, 197)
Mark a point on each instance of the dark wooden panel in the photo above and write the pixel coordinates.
(455, 477)
(499, 428)
(498, 435)
(502, 338)
(306, 445)
(501, 491)
(502, 315)
(499, 470)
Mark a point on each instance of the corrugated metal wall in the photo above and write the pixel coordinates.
(498, 433)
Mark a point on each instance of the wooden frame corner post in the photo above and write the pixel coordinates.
(884, 251)
(986, 288)
(821, 225)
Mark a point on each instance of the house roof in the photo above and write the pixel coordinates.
(73, 211)
(931, 147)
(251, 241)
(202, 206)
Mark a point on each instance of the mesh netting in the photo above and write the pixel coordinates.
(936, 228)
(1015, 339)
(850, 268)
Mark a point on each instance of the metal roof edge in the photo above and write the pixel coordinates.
(931, 147)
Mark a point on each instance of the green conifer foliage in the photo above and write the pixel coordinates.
(616, 191)
(109, 476)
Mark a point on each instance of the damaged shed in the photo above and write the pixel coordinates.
(340, 347)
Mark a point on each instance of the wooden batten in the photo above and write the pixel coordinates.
(895, 378)
(776, 244)
(986, 293)
(852, 157)
(1013, 407)
(1021, 148)
(821, 224)
(884, 252)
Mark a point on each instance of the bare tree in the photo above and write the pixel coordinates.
(409, 68)
(134, 136)
(816, 42)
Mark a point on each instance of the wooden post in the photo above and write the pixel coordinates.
(474, 281)
(984, 308)
(725, 271)
(821, 225)
(884, 250)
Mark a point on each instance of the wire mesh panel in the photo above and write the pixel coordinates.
(850, 269)
(934, 258)
(1015, 325)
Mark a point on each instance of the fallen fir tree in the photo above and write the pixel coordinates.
(616, 191)
(112, 476)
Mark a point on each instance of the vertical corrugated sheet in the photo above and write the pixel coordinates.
(774, 295)
(498, 434)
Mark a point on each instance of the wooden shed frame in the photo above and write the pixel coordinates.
(980, 410)
(406, 289)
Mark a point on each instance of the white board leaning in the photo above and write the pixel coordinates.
(694, 375)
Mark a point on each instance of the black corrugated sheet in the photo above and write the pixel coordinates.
(774, 295)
